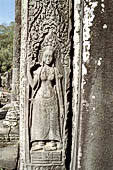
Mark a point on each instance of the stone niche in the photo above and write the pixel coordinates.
(44, 83)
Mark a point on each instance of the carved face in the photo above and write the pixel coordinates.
(48, 56)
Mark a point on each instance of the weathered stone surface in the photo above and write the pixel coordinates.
(16, 52)
(8, 157)
(13, 116)
(76, 81)
(96, 149)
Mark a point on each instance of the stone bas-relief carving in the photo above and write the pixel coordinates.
(47, 108)
(46, 105)
(45, 16)
(45, 62)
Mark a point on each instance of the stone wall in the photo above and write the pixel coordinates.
(96, 139)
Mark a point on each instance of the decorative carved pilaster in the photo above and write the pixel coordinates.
(45, 83)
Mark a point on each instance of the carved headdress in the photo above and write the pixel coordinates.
(49, 43)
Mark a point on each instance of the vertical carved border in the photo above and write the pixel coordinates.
(77, 77)
(24, 4)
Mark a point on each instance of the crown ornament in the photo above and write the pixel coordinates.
(49, 41)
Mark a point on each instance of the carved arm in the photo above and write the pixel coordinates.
(31, 78)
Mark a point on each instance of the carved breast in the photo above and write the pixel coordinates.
(46, 89)
(47, 73)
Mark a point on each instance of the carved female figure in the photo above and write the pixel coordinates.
(47, 103)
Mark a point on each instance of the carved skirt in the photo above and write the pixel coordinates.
(45, 120)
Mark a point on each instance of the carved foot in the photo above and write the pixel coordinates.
(50, 146)
(38, 146)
